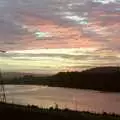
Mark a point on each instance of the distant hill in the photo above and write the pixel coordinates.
(11, 75)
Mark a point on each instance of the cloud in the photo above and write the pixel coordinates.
(82, 34)
(105, 1)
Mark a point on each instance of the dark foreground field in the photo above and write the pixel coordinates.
(12, 111)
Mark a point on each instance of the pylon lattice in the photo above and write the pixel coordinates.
(2, 90)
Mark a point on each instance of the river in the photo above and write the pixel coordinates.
(83, 100)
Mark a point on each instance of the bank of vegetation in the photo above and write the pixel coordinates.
(102, 79)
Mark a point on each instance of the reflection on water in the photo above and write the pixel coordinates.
(44, 96)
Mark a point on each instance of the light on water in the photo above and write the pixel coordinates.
(84, 100)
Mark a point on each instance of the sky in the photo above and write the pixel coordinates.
(49, 36)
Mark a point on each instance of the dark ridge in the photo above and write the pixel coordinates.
(103, 70)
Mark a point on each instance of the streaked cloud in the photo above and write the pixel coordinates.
(60, 59)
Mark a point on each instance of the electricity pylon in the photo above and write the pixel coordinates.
(2, 89)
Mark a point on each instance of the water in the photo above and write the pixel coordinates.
(84, 100)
